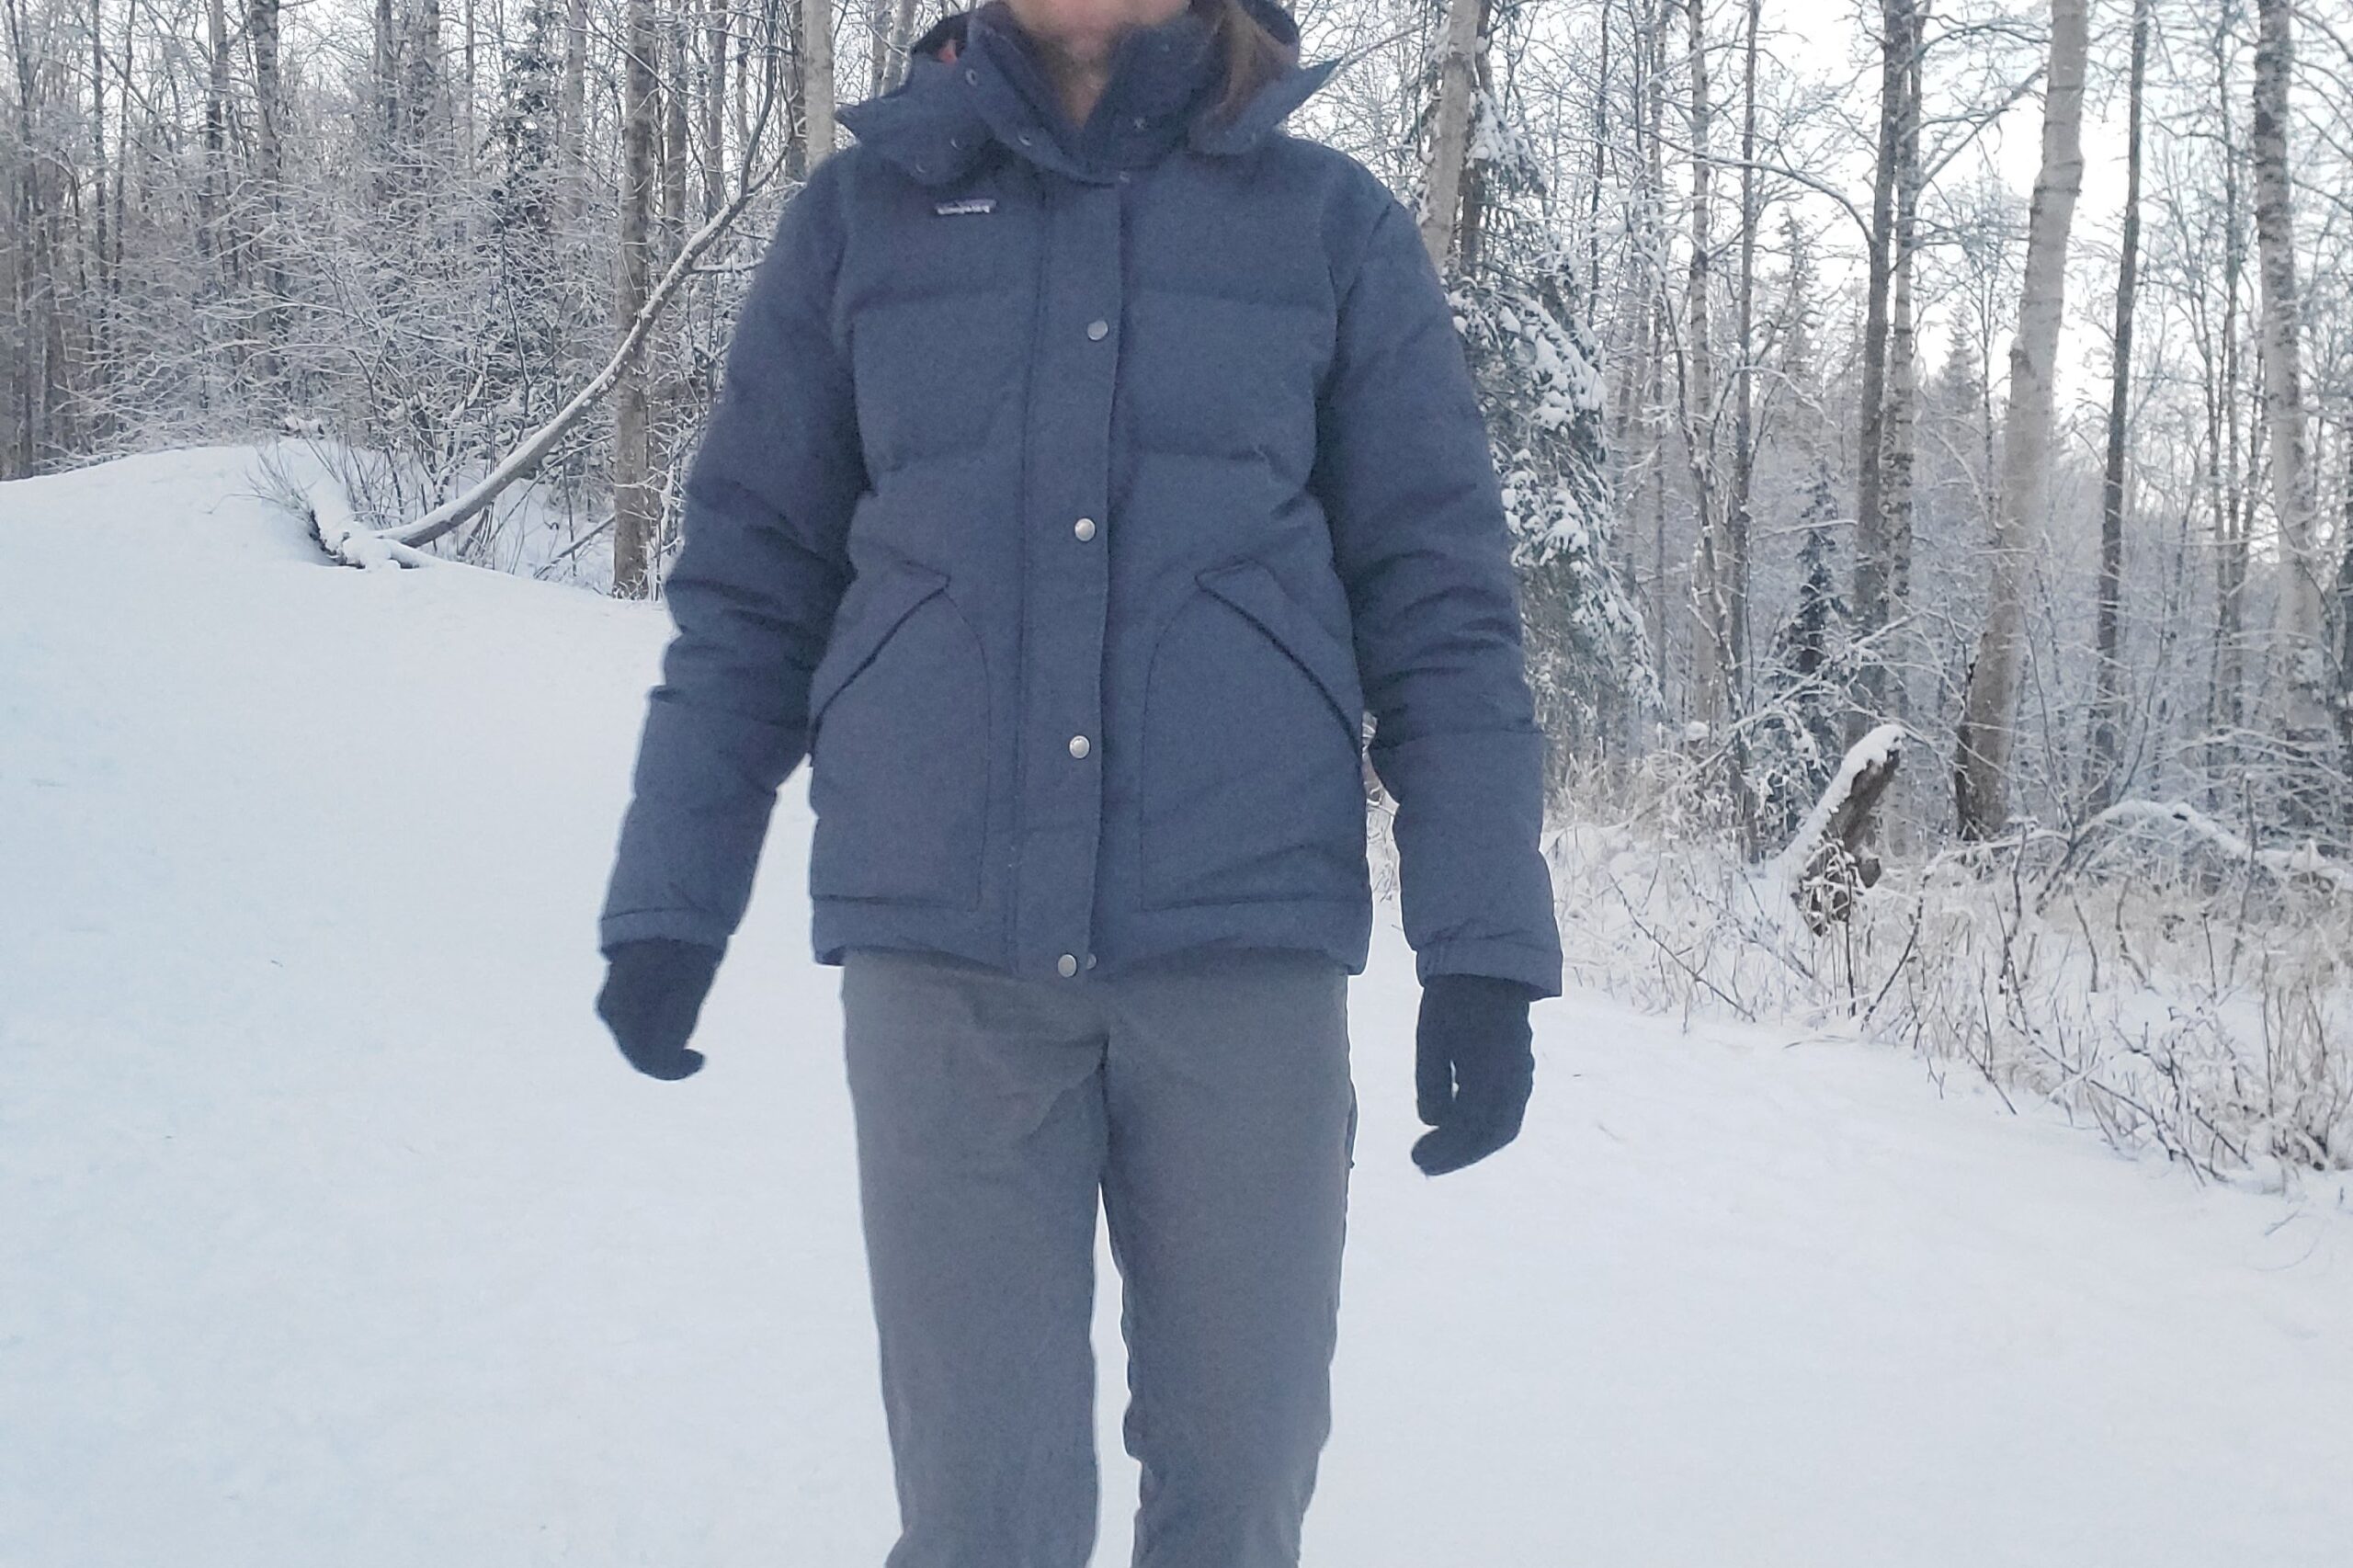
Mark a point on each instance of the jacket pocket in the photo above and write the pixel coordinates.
(1253, 784)
(898, 748)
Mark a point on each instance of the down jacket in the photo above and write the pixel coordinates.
(1071, 495)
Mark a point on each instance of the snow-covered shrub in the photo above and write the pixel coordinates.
(2146, 980)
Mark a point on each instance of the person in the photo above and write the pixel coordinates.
(1092, 456)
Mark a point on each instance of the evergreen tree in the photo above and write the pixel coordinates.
(1809, 677)
(1534, 365)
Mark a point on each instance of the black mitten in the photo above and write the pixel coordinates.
(652, 993)
(1473, 1068)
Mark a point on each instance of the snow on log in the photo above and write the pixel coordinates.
(1823, 868)
(2304, 861)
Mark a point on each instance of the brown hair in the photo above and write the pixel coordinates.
(1253, 56)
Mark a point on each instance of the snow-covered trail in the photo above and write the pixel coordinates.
(334, 1232)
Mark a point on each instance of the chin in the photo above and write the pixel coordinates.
(1086, 27)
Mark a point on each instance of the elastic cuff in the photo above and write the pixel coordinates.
(671, 924)
(1539, 969)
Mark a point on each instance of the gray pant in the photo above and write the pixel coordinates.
(1207, 1099)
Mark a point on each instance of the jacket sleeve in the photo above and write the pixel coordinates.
(767, 501)
(1409, 487)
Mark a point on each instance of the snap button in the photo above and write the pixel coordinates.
(1090, 960)
(971, 75)
(1079, 746)
(1066, 965)
(1022, 137)
(1084, 528)
(1098, 329)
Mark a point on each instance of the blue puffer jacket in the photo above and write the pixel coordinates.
(1071, 494)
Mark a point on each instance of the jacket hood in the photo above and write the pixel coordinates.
(973, 78)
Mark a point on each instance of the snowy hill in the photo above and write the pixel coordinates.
(334, 1232)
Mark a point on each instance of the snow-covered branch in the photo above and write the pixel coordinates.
(2304, 861)
(358, 547)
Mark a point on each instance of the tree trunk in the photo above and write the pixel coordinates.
(675, 150)
(1982, 765)
(2108, 705)
(1873, 557)
(634, 500)
(104, 292)
(1651, 44)
(714, 110)
(1743, 482)
(817, 76)
(212, 194)
(903, 38)
(2226, 700)
(2344, 694)
(2295, 676)
(1470, 219)
(1713, 663)
(572, 139)
(473, 135)
(425, 97)
(1449, 128)
(387, 83)
(1899, 440)
(261, 32)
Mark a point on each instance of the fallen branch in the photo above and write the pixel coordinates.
(2305, 861)
(361, 547)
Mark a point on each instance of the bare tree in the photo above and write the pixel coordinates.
(573, 138)
(1874, 547)
(714, 109)
(634, 508)
(1981, 764)
(2108, 704)
(2295, 674)
(817, 77)
(1451, 129)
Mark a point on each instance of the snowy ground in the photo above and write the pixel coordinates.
(332, 1231)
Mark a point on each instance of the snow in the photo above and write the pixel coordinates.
(336, 1233)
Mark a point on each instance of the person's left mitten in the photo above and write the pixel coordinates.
(1474, 1067)
(654, 991)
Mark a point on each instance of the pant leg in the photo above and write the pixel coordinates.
(1232, 1121)
(978, 1101)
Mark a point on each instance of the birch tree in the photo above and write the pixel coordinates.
(633, 503)
(1451, 129)
(2108, 702)
(2295, 668)
(1982, 765)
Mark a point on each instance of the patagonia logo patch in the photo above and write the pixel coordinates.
(965, 205)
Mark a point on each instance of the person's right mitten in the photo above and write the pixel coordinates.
(1473, 1068)
(652, 997)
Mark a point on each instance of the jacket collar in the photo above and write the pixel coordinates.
(974, 79)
